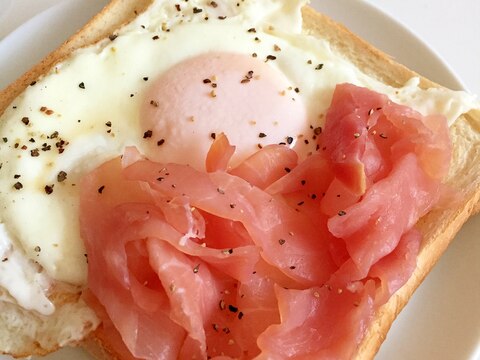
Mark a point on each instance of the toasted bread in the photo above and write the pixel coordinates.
(32, 334)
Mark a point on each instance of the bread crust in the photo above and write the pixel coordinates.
(438, 227)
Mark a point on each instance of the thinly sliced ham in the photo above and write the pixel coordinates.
(366, 133)
(373, 227)
(266, 166)
(287, 239)
(318, 323)
(273, 259)
(396, 268)
(219, 154)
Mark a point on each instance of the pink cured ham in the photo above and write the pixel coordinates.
(273, 259)
(318, 323)
(368, 133)
(263, 168)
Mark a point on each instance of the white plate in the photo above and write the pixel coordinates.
(442, 321)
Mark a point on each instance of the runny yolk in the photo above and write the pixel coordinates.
(245, 97)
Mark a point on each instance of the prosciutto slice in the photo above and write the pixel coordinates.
(272, 259)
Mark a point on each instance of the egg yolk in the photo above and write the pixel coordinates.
(243, 96)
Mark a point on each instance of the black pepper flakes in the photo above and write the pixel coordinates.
(221, 191)
(147, 134)
(281, 241)
(247, 77)
(226, 330)
(34, 153)
(232, 206)
(37, 249)
(293, 267)
(61, 145)
(33, 83)
(271, 58)
(5, 259)
(145, 78)
(112, 37)
(25, 120)
(18, 185)
(297, 90)
(232, 308)
(5, 140)
(222, 17)
(16, 176)
(303, 182)
(195, 269)
(289, 140)
(262, 135)
(215, 327)
(197, 10)
(100, 189)
(213, 135)
(160, 142)
(154, 103)
(317, 130)
(177, 6)
(81, 85)
(342, 213)
(213, 4)
(287, 169)
(61, 176)
(240, 315)
(319, 67)
(49, 189)
(252, 30)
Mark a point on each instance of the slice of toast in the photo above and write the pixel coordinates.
(439, 227)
